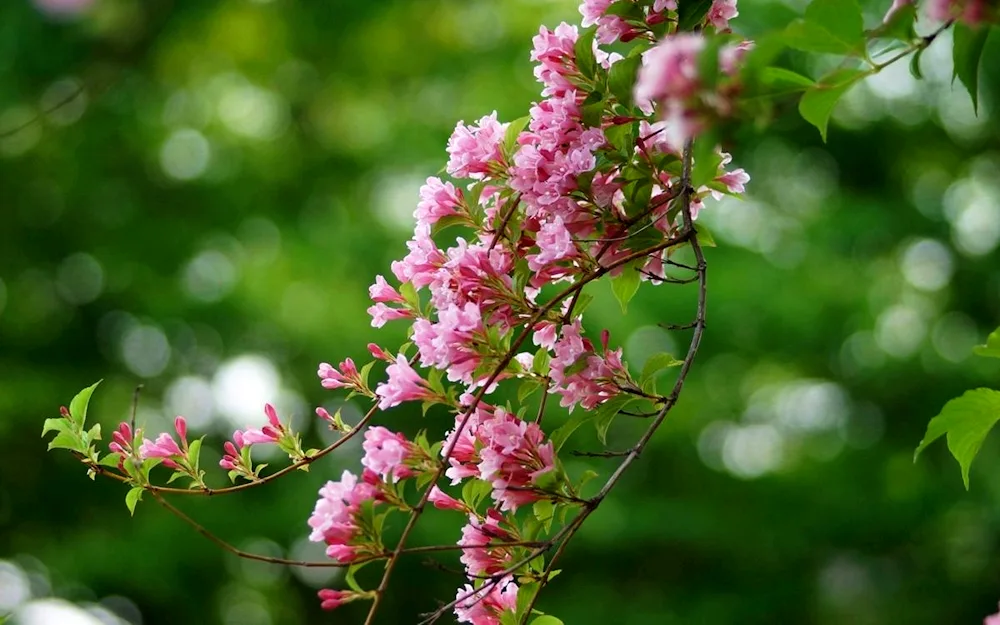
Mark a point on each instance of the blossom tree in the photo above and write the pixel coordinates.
(602, 181)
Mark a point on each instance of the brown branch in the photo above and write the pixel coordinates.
(229, 547)
(228, 490)
(418, 509)
(670, 401)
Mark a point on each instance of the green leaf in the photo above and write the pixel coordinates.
(966, 420)
(194, 450)
(473, 492)
(133, 497)
(915, 64)
(626, 284)
(706, 160)
(841, 18)
(59, 425)
(810, 37)
(607, 412)
(562, 433)
(544, 510)
(657, 363)
(510, 136)
(527, 389)
(352, 570)
(111, 460)
(704, 236)
(546, 619)
(690, 13)
(992, 347)
(621, 78)
(584, 51)
(78, 407)
(966, 55)
(65, 440)
(900, 25)
(818, 103)
(625, 8)
(592, 112)
(784, 80)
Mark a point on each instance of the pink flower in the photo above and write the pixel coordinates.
(992, 619)
(380, 314)
(721, 12)
(971, 12)
(554, 244)
(437, 199)
(423, 261)
(486, 605)
(386, 453)
(554, 51)
(582, 376)
(452, 344)
(254, 436)
(382, 291)
(334, 521)
(442, 501)
(512, 458)
(473, 149)
(480, 532)
(164, 447)
(545, 334)
(346, 377)
(669, 70)
(403, 384)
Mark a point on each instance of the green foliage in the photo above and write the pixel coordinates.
(992, 347)
(819, 101)
(967, 52)
(133, 497)
(626, 284)
(829, 26)
(966, 421)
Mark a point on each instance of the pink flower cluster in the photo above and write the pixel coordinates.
(669, 79)
(971, 12)
(335, 519)
(582, 376)
(548, 204)
(508, 453)
(486, 605)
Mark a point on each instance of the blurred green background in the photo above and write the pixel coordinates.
(205, 219)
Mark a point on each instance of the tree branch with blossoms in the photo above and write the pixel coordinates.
(603, 181)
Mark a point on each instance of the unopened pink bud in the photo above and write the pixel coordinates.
(180, 424)
(227, 464)
(380, 353)
(64, 411)
(238, 439)
(323, 414)
(333, 598)
(116, 448)
(125, 430)
(170, 464)
(272, 416)
(230, 449)
(605, 338)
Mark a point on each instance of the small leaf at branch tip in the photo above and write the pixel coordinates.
(992, 347)
(966, 421)
(78, 407)
(132, 498)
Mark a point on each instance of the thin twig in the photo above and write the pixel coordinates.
(670, 401)
(228, 490)
(529, 326)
